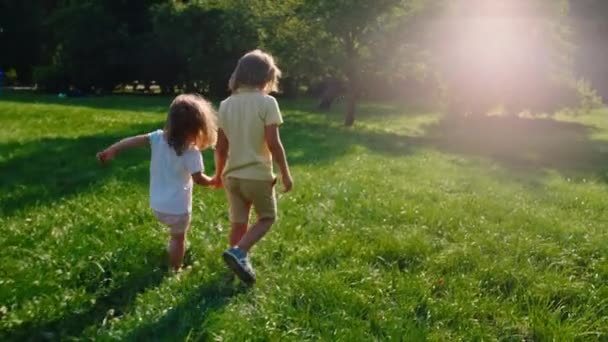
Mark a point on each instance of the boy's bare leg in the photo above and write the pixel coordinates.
(177, 249)
(255, 233)
(237, 233)
(238, 230)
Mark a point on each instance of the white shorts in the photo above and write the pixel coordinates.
(178, 224)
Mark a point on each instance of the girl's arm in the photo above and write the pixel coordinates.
(221, 153)
(127, 143)
(278, 154)
(202, 179)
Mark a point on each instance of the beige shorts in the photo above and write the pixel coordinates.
(243, 193)
(178, 224)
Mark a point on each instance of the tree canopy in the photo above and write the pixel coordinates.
(472, 54)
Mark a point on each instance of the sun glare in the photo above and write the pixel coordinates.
(497, 34)
(494, 49)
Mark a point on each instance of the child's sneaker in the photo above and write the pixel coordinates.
(238, 262)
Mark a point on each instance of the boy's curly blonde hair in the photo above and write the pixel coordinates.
(256, 69)
(191, 119)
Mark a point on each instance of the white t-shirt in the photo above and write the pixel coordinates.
(171, 176)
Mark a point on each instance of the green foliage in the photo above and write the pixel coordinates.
(282, 27)
(345, 38)
(193, 46)
(411, 227)
(589, 32)
(11, 76)
(198, 44)
(89, 48)
(51, 78)
(413, 50)
(101, 45)
(23, 40)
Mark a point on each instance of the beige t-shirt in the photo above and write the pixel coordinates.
(243, 117)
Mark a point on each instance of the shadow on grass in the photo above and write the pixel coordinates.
(376, 111)
(519, 144)
(524, 144)
(318, 143)
(49, 169)
(160, 103)
(46, 170)
(137, 103)
(186, 320)
(112, 302)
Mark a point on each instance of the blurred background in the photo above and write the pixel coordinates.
(469, 56)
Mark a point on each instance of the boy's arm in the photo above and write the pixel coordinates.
(275, 145)
(126, 143)
(221, 153)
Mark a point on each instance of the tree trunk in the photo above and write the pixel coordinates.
(351, 106)
(351, 75)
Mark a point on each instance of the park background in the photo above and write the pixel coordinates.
(450, 159)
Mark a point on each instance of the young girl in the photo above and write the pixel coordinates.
(176, 163)
(248, 141)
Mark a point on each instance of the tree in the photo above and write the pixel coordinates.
(99, 44)
(590, 30)
(197, 44)
(89, 48)
(333, 37)
(354, 25)
(23, 37)
(301, 47)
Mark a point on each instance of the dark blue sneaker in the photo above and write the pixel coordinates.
(239, 263)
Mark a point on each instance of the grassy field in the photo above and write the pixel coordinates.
(409, 226)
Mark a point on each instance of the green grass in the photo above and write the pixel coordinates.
(409, 226)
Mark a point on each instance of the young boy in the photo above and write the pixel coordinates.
(248, 141)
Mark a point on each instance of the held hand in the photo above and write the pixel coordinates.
(106, 155)
(216, 182)
(287, 183)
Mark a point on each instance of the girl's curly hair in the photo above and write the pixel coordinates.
(191, 120)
